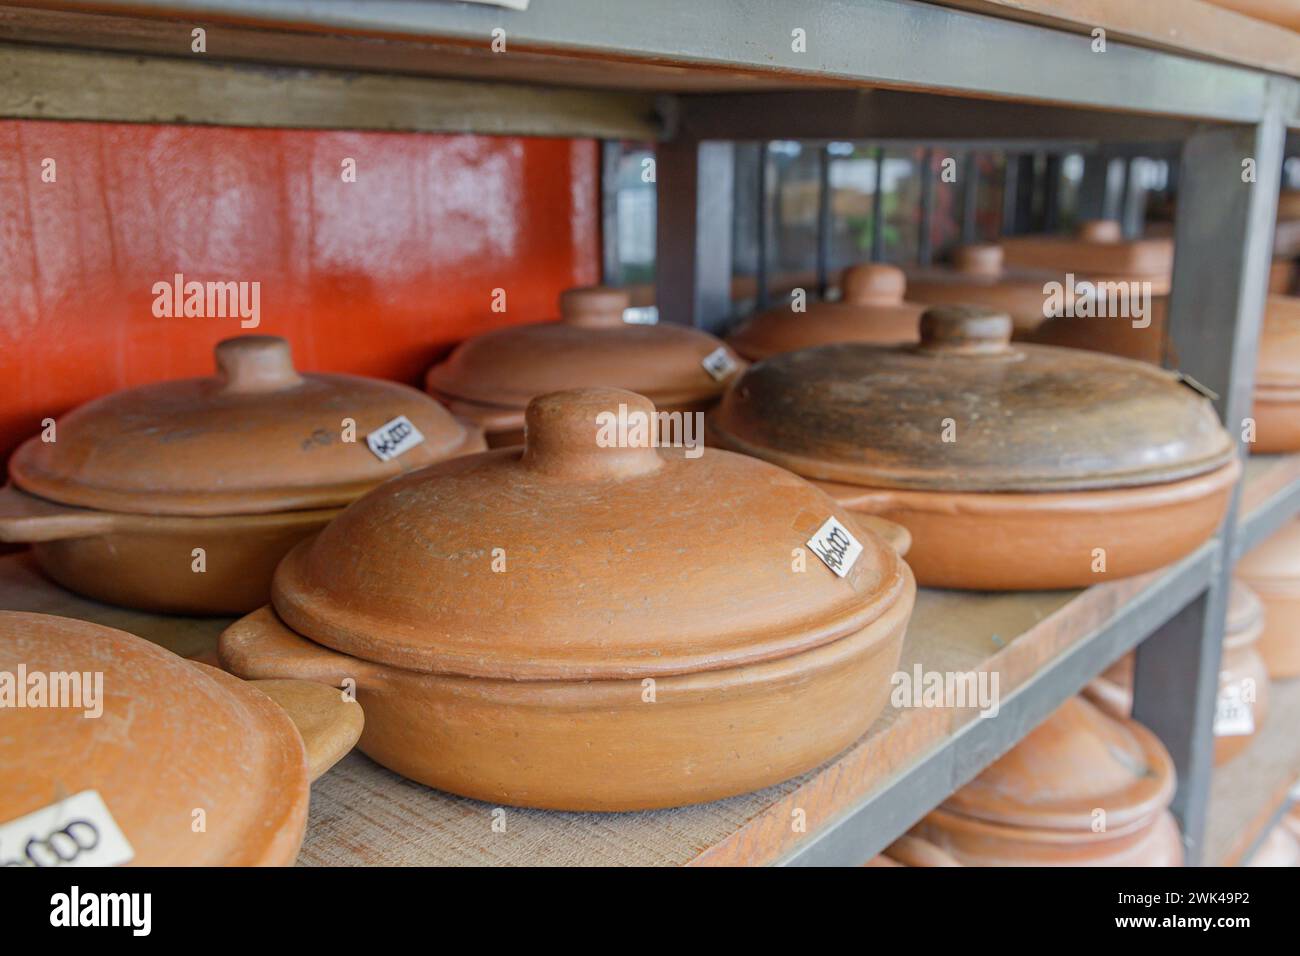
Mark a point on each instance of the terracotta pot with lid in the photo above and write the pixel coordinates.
(646, 629)
(490, 378)
(980, 275)
(182, 496)
(1272, 569)
(1243, 679)
(1015, 467)
(1082, 789)
(871, 309)
(192, 765)
(1099, 251)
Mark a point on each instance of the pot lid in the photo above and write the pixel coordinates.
(589, 346)
(1279, 350)
(256, 437)
(569, 560)
(172, 737)
(968, 411)
(871, 309)
(1098, 249)
(1074, 763)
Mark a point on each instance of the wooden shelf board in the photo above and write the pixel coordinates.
(364, 814)
(1247, 794)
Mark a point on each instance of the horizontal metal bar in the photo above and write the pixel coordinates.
(887, 813)
(43, 83)
(892, 43)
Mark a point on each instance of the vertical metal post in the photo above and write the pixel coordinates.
(1223, 236)
(969, 197)
(1094, 186)
(1010, 188)
(694, 190)
(825, 223)
(924, 238)
(611, 262)
(1052, 193)
(1026, 181)
(878, 208)
(761, 279)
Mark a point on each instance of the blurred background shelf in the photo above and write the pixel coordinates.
(1250, 793)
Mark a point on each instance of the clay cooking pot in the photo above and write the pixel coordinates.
(241, 465)
(1014, 466)
(174, 737)
(583, 627)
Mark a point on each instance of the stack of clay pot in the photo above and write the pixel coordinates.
(1083, 789)
(490, 379)
(872, 308)
(585, 624)
(1243, 679)
(172, 739)
(1273, 572)
(1014, 467)
(126, 493)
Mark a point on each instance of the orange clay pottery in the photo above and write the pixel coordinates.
(979, 275)
(1280, 848)
(1083, 789)
(1283, 13)
(182, 496)
(1015, 467)
(162, 739)
(490, 378)
(1272, 569)
(1098, 251)
(871, 309)
(1243, 679)
(579, 626)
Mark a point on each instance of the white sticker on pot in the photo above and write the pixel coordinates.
(1233, 716)
(641, 315)
(837, 548)
(719, 363)
(393, 438)
(78, 831)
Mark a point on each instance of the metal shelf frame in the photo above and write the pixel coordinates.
(698, 76)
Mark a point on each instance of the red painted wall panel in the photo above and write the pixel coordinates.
(376, 276)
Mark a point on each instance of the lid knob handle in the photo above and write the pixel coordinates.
(968, 329)
(1100, 230)
(594, 306)
(875, 283)
(978, 259)
(588, 434)
(256, 363)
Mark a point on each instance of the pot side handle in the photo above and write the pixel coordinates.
(330, 723)
(260, 646)
(891, 532)
(26, 519)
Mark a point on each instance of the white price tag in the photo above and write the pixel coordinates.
(641, 315)
(393, 438)
(719, 364)
(1233, 716)
(78, 831)
(837, 548)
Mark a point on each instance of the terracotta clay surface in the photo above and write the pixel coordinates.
(620, 564)
(490, 378)
(871, 309)
(1240, 666)
(1272, 570)
(1280, 848)
(1023, 497)
(242, 465)
(1285, 13)
(1097, 251)
(979, 275)
(256, 437)
(174, 736)
(1037, 805)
